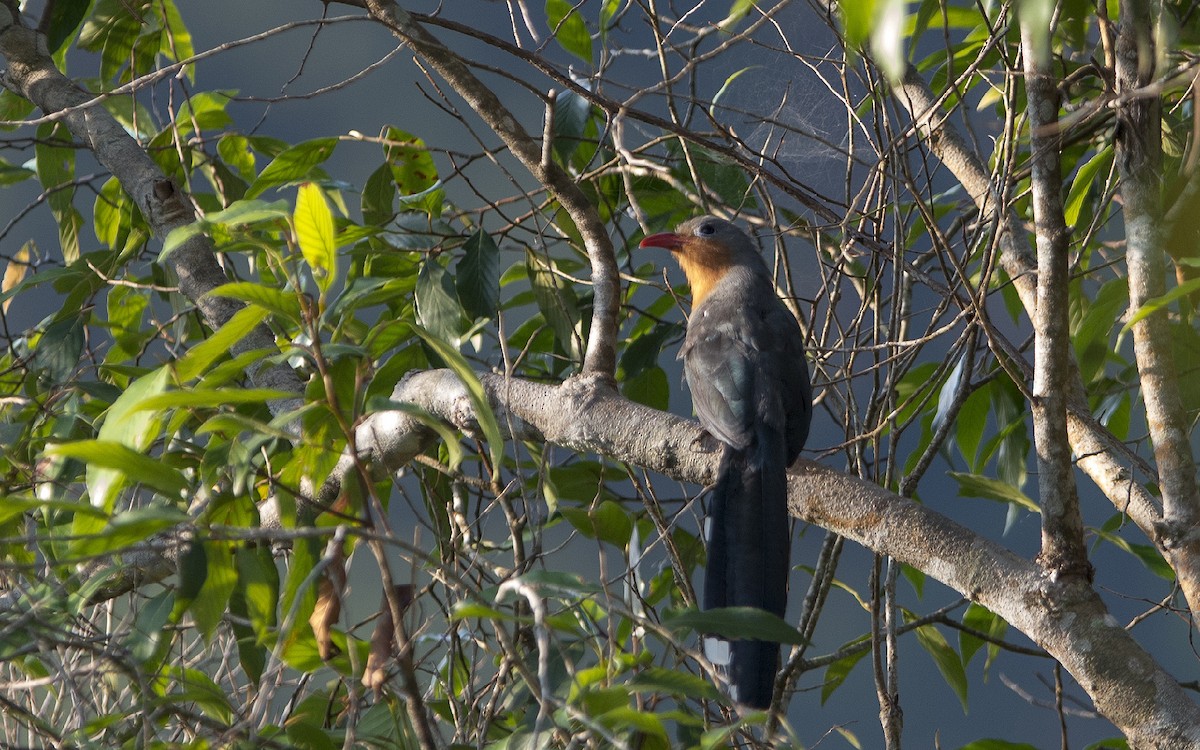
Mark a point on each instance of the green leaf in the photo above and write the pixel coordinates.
(970, 423)
(980, 618)
(208, 398)
(64, 20)
(11, 507)
(477, 610)
(129, 426)
(314, 233)
(60, 347)
(608, 11)
(199, 688)
(234, 150)
(1083, 183)
(412, 165)
(211, 603)
(673, 682)
(737, 11)
(858, 18)
(649, 387)
(438, 309)
(269, 298)
(201, 356)
(126, 529)
(378, 197)
(946, 659)
(974, 485)
(558, 303)
(149, 626)
(136, 467)
(1148, 554)
(258, 581)
(295, 163)
(56, 171)
(477, 279)
(569, 29)
(608, 522)
(837, 672)
(1152, 306)
(571, 113)
(239, 213)
(735, 623)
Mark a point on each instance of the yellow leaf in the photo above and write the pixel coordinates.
(313, 222)
(16, 271)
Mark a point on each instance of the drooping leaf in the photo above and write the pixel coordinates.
(569, 29)
(438, 309)
(63, 21)
(983, 620)
(134, 429)
(209, 606)
(946, 659)
(608, 522)
(558, 303)
(974, 485)
(1084, 182)
(735, 623)
(314, 233)
(571, 113)
(477, 277)
(56, 172)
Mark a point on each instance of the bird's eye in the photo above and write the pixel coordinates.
(705, 229)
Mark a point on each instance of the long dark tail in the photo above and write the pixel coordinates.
(748, 556)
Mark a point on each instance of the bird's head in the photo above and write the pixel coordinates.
(706, 248)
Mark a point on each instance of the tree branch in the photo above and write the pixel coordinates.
(1139, 162)
(1063, 548)
(1062, 615)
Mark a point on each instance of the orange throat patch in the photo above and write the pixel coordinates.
(704, 263)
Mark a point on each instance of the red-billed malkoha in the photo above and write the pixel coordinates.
(744, 362)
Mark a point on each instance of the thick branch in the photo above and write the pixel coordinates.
(1063, 547)
(1139, 161)
(1063, 616)
(601, 357)
(585, 415)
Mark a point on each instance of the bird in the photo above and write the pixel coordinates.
(745, 366)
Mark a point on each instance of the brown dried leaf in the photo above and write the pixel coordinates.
(383, 641)
(329, 607)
